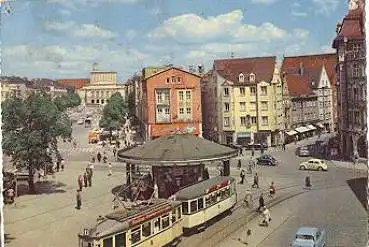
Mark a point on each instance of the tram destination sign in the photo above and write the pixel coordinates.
(149, 215)
(217, 187)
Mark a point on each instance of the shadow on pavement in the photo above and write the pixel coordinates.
(8, 238)
(44, 187)
(358, 186)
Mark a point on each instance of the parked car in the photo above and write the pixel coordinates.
(303, 152)
(267, 159)
(314, 164)
(309, 237)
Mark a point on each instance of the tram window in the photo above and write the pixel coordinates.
(174, 215)
(222, 194)
(136, 235)
(120, 240)
(157, 225)
(146, 229)
(213, 198)
(207, 201)
(179, 213)
(108, 242)
(165, 221)
(227, 192)
(218, 196)
(200, 203)
(194, 206)
(185, 207)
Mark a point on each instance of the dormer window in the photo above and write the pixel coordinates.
(252, 77)
(241, 78)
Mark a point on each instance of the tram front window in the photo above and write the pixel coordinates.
(193, 206)
(146, 229)
(200, 203)
(136, 235)
(185, 207)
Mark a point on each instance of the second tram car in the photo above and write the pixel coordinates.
(154, 224)
(205, 200)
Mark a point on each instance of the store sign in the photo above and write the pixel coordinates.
(243, 134)
(149, 215)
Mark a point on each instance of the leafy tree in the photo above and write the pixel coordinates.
(30, 127)
(74, 98)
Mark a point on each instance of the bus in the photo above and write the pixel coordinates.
(155, 224)
(205, 200)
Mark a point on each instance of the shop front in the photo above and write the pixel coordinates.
(243, 138)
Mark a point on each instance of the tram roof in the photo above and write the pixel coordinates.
(176, 149)
(200, 189)
(120, 220)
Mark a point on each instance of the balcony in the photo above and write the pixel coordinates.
(162, 102)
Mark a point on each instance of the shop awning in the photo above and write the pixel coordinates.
(302, 129)
(311, 127)
(320, 125)
(291, 132)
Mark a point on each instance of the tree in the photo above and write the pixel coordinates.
(74, 98)
(31, 126)
(68, 100)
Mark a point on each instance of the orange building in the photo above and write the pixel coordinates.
(74, 83)
(171, 101)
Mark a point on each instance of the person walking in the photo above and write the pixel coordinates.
(98, 156)
(80, 182)
(242, 175)
(266, 217)
(110, 170)
(58, 165)
(256, 181)
(241, 152)
(308, 181)
(261, 203)
(62, 162)
(272, 189)
(79, 199)
(239, 164)
(114, 151)
(284, 146)
(85, 178)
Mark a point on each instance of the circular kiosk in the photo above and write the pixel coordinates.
(176, 161)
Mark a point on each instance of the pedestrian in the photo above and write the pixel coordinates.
(256, 181)
(93, 160)
(241, 152)
(245, 237)
(58, 165)
(261, 202)
(272, 189)
(110, 170)
(262, 148)
(79, 199)
(266, 217)
(242, 175)
(114, 151)
(90, 174)
(80, 182)
(252, 152)
(98, 156)
(307, 181)
(239, 164)
(105, 159)
(284, 146)
(62, 164)
(85, 178)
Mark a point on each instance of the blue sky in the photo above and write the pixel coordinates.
(63, 38)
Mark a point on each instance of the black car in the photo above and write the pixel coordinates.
(267, 159)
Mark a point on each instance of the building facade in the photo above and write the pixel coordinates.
(102, 85)
(351, 82)
(171, 101)
(13, 86)
(74, 83)
(244, 100)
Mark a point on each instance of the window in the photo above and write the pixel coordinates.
(188, 110)
(185, 207)
(207, 201)
(167, 111)
(166, 95)
(226, 92)
(97, 101)
(253, 106)
(146, 229)
(193, 206)
(108, 242)
(226, 121)
(188, 95)
(120, 240)
(174, 79)
(264, 106)
(242, 106)
(264, 91)
(226, 107)
(227, 192)
(181, 96)
(179, 213)
(252, 91)
(157, 225)
(92, 101)
(241, 78)
(178, 79)
(174, 216)
(165, 221)
(242, 91)
(243, 121)
(102, 101)
(200, 203)
(160, 110)
(252, 77)
(181, 111)
(264, 120)
(168, 80)
(253, 120)
(136, 235)
(159, 96)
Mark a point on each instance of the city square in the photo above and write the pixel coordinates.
(262, 143)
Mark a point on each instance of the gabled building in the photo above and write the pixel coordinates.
(244, 97)
(171, 101)
(351, 82)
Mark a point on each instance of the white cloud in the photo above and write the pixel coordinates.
(301, 33)
(193, 28)
(299, 14)
(73, 4)
(65, 12)
(79, 30)
(325, 7)
(264, 1)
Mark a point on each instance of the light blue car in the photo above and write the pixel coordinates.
(309, 237)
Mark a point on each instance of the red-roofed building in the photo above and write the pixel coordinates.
(74, 83)
(351, 82)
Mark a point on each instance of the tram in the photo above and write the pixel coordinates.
(155, 224)
(205, 200)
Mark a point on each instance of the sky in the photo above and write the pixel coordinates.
(63, 38)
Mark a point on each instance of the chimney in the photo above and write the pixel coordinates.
(338, 27)
(200, 69)
(301, 70)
